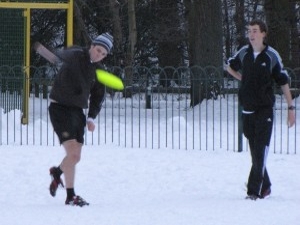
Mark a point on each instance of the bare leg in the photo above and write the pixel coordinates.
(73, 154)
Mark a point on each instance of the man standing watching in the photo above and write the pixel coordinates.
(258, 66)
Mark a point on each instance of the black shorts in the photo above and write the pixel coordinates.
(68, 122)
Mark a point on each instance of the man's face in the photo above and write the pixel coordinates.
(255, 35)
(97, 53)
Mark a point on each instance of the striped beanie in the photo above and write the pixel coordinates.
(105, 40)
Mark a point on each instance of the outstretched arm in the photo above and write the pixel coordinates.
(46, 53)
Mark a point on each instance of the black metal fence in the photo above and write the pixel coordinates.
(154, 111)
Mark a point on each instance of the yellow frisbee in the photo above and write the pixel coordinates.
(109, 79)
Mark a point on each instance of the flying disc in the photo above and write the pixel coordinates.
(109, 79)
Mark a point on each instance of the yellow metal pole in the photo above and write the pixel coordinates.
(25, 118)
(70, 23)
(34, 5)
(27, 6)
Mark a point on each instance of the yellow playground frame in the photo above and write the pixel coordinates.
(27, 6)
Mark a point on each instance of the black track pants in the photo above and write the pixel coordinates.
(257, 129)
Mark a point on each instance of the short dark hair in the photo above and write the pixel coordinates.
(262, 25)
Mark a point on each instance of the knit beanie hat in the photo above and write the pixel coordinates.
(105, 40)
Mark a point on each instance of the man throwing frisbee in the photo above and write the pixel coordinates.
(74, 89)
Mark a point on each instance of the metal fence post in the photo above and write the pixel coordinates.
(0, 122)
(240, 129)
(148, 93)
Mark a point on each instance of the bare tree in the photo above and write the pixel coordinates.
(81, 36)
(226, 28)
(205, 32)
(131, 29)
(132, 39)
(116, 29)
(205, 46)
(280, 16)
(295, 34)
(169, 39)
(239, 19)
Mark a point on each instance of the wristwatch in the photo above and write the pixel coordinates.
(291, 107)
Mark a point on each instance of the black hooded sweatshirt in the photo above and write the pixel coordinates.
(75, 85)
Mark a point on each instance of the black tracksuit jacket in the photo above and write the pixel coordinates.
(258, 76)
(75, 84)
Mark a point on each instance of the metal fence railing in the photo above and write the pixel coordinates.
(148, 114)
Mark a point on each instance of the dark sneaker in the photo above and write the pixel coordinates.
(56, 181)
(265, 194)
(76, 201)
(252, 197)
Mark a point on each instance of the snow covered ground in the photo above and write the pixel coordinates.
(136, 186)
(145, 186)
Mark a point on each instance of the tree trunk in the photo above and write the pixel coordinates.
(132, 29)
(132, 39)
(81, 36)
(117, 30)
(205, 33)
(240, 23)
(295, 38)
(278, 17)
(226, 29)
(205, 46)
(169, 39)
